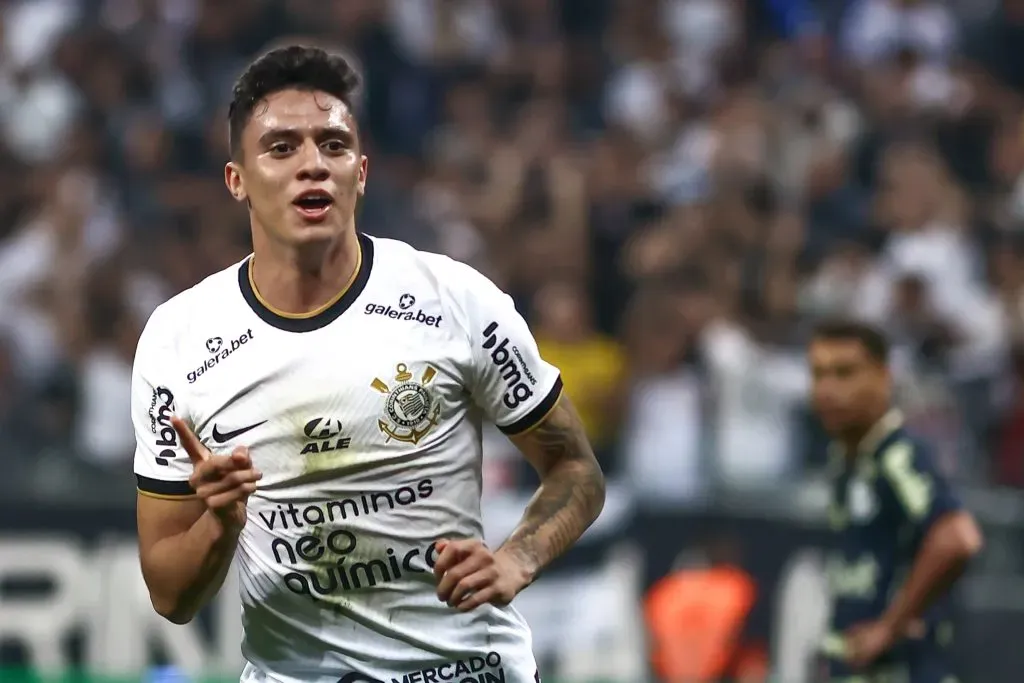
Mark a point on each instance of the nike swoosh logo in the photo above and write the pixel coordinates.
(221, 437)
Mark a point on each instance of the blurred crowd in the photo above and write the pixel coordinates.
(672, 190)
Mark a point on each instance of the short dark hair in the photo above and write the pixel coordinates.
(294, 66)
(870, 337)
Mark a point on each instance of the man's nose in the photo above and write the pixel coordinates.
(314, 166)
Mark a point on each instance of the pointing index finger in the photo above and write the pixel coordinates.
(197, 452)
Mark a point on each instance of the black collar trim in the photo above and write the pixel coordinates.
(321, 319)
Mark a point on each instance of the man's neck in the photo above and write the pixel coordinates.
(853, 441)
(298, 282)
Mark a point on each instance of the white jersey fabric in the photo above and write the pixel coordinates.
(365, 418)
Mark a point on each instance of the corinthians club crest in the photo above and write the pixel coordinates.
(411, 409)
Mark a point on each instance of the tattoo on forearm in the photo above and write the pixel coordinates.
(571, 494)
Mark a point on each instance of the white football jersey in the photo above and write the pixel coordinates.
(365, 419)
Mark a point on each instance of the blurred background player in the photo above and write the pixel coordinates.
(902, 537)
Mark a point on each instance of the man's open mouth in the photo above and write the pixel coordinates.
(314, 203)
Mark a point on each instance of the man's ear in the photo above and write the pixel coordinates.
(235, 182)
(361, 180)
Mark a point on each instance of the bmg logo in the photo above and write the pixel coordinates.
(161, 407)
(502, 358)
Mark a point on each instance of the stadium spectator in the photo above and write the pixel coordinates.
(680, 152)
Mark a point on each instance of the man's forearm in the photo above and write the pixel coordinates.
(185, 570)
(571, 493)
(568, 501)
(942, 559)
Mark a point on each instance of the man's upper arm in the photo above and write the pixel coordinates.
(559, 437)
(517, 389)
(508, 378)
(160, 518)
(166, 503)
(922, 493)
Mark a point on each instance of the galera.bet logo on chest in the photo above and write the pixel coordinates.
(411, 410)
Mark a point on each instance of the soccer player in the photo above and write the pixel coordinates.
(901, 537)
(317, 410)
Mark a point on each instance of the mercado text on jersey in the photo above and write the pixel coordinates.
(365, 419)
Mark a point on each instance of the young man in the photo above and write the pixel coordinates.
(317, 408)
(902, 538)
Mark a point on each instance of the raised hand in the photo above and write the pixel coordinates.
(469, 574)
(223, 482)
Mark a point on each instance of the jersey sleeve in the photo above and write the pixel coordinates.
(162, 467)
(921, 492)
(509, 380)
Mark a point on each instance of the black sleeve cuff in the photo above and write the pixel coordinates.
(162, 488)
(537, 415)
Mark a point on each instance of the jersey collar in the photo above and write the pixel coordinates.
(316, 319)
(882, 430)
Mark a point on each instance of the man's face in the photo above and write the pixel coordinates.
(847, 384)
(300, 167)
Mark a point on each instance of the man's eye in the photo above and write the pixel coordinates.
(334, 146)
(280, 148)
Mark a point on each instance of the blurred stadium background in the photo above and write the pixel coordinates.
(672, 189)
